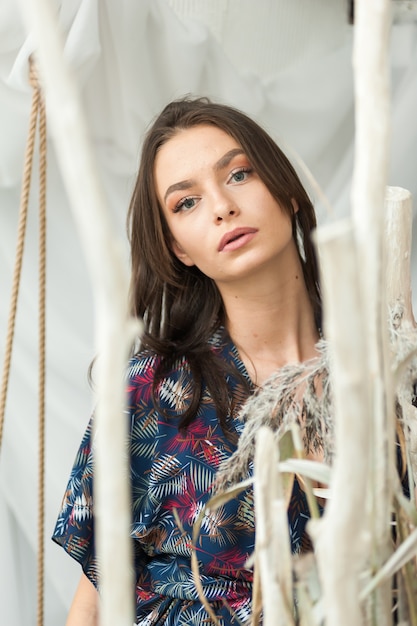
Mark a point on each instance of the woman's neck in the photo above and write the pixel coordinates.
(271, 328)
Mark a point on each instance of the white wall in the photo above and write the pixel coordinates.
(286, 63)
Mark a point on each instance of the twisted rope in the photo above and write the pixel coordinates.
(37, 111)
(21, 231)
(42, 348)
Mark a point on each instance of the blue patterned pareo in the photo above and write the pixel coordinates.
(175, 470)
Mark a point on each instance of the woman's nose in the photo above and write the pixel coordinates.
(230, 213)
(225, 209)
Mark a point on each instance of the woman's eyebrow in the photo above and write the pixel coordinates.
(226, 158)
(181, 186)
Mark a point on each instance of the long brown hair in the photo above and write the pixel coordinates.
(181, 306)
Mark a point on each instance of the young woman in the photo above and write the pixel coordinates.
(225, 277)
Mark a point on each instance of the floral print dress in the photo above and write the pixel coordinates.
(172, 470)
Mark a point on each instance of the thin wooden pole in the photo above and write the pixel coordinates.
(113, 332)
(399, 224)
(272, 549)
(372, 137)
(339, 536)
(399, 298)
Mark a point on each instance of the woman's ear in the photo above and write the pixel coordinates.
(180, 254)
(294, 205)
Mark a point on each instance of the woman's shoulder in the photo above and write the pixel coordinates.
(146, 362)
(156, 394)
(147, 367)
(142, 370)
(140, 363)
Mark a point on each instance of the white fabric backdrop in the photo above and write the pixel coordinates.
(288, 64)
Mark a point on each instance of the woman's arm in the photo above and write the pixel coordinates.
(84, 608)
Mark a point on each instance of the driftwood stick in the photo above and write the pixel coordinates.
(398, 203)
(113, 332)
(339, 536)
(272, 549)
(399, 299)
(372, 119)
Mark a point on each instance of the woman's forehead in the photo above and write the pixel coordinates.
(192, 149)
(198, 135)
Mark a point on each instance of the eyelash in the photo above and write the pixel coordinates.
(240, 170)
(180, 205)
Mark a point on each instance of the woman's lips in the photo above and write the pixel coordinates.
(236, 238)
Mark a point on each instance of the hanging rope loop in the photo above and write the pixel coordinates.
(21, 231)
(37, 114)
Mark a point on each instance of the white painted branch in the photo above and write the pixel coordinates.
(272, 549)
(372, 118)
(339, 536)
(372, 121)
(398, 280)
(109, 282)
(398, 237)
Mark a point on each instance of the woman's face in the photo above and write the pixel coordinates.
(221, 216)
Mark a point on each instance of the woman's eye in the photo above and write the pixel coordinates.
(185, 204)
(240, 175)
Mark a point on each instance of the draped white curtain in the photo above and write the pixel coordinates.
(286, 63)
